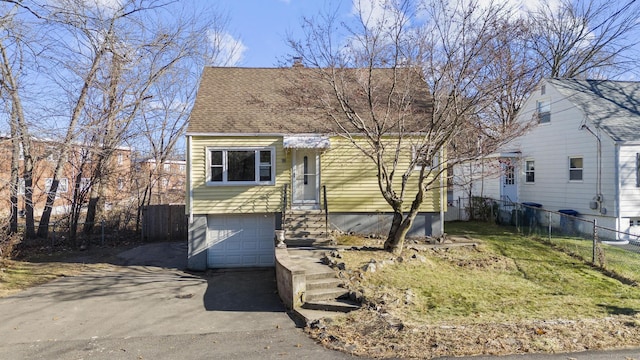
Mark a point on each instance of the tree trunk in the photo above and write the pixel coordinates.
(400, 226)
(92, 207)
(28, 199)
(11, 85)
(14, 183)
(76, 207)
(43, 227)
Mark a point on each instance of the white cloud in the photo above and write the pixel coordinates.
(522, 7)
(375, 13)
(228, 51)
(108, 4)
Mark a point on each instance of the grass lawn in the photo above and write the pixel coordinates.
(42, 267)
(508, 294)
(19, 275)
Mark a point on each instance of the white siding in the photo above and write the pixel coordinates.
(629, 193)
(479, 180)
(550, 145)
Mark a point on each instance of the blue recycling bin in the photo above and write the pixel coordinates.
(568, 223)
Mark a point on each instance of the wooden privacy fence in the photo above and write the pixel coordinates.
(164, 223)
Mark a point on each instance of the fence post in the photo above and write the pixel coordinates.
(595, 241)
(549, 221)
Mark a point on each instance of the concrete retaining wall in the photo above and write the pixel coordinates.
(291, 280)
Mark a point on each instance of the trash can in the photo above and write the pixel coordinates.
(530, 213)
(568, 223)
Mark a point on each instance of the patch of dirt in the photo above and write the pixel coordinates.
(461, 259)
(368, 332)
(380, 329)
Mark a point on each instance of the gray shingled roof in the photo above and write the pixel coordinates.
(261, 101)
(613, 106)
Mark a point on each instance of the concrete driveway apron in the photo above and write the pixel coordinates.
(151, 309)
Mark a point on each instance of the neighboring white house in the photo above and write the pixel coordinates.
(582, 153)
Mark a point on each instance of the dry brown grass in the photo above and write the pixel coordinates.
(507, 295)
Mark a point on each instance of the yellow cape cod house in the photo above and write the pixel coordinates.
(257, 163)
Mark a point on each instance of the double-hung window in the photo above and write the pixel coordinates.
(575, 169)
(530, 171)
(241, 166)
(543, 108)
(421, 160)
(63, 185)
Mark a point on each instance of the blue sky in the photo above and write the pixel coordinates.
(262, 25)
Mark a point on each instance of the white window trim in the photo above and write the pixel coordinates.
(22, 187)
(526, 170)
(224, 181)
(61, 188)
(581, 169)
(435, 161)
(540, 101)
(85, 183)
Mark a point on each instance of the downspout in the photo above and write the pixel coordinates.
(616, 200)
(598, 197)
(189, 178)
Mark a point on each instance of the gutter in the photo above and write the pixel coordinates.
(616, 174)
(287, 134)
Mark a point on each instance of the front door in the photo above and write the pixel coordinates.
(306, 178)
(509, 191)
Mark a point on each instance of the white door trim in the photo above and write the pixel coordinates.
(299, 197)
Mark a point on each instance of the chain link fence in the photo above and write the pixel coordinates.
(566, 230)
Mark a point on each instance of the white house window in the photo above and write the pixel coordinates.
(167, 167)
(120, 159)
(241, 166)
(21, 186)
(21, 152)
(422, 159)
(63, 185)
(529, 171)
(575, 169)
(182, 168)
(120, 184)
(85, 184)
(543, 108)
(51, 153)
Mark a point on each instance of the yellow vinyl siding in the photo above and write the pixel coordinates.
(352, 185)
(227, 199)
(350, 178)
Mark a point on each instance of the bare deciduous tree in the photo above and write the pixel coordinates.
(580, 39)
(393, 64)
(12, 44)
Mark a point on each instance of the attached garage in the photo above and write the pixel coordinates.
(240, 240)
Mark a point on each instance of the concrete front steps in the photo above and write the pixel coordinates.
(306, 228)
(325, 295)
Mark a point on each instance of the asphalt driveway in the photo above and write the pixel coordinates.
(151, 309)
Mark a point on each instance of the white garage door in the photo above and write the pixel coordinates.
(241, 240)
